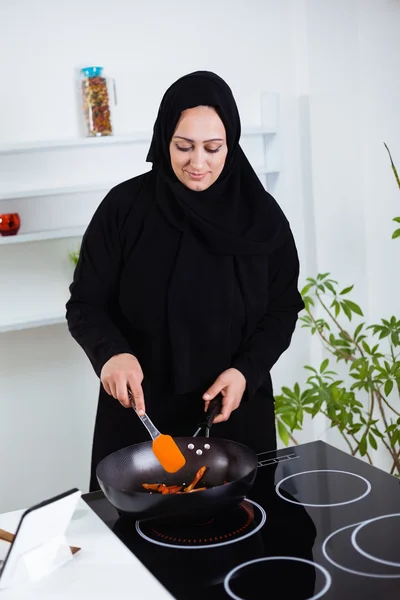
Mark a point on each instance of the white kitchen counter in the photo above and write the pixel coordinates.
(103, 568)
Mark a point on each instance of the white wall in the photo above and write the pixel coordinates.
(48, 391)
(352, 92)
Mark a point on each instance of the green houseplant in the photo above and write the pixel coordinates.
(366, 411)
(74, 257)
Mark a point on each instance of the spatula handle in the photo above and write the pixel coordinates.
(147, 422)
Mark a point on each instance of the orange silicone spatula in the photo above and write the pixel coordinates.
(164, 446)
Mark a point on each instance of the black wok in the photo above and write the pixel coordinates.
(121, 475)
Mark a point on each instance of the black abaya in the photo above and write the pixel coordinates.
(162, 277)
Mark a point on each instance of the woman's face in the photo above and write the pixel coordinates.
(198, 148)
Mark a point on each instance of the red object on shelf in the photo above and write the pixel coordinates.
(9, 223)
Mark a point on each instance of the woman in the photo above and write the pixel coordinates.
(186, 285)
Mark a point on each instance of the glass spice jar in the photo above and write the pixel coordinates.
(96, 101)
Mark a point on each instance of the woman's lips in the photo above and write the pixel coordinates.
(196, 176)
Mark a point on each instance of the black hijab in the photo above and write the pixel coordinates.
(227, 231)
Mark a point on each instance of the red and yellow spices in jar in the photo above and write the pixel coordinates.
(96, 101)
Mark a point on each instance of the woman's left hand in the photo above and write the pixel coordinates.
(231, 384)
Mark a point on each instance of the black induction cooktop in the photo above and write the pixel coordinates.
(318, 523)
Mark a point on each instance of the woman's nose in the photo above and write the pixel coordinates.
(197, 159)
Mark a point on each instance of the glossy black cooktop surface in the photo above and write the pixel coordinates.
(317, 524)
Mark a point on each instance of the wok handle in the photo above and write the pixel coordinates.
(214, 409)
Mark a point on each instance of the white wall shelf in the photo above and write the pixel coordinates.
(55, 191)
(258, 130)
(85, 188)
(61, 207)
(51, 234)
(99, 142)
(78, 142)
(32, 323)
(38, 236)
(264, 170)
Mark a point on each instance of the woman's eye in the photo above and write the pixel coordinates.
(189, 148)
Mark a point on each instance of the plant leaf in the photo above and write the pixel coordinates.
(288, 392)
(394, 437)
(372, 441)
(366, 347)
(354, 307)
(324, 364)
(346, 290)
(388, 387)
(330, 287)
(358, 329)
(346, 309)
(283, 433)
(363, 445)
(305, 289)
(396, 175)
(396, 234)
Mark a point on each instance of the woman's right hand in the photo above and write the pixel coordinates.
(121, 372)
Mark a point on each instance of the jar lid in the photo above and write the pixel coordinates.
(92, 71)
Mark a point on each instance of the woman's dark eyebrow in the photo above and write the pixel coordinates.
(192, 141)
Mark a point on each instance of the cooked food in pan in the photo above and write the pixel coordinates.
(161, 488)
